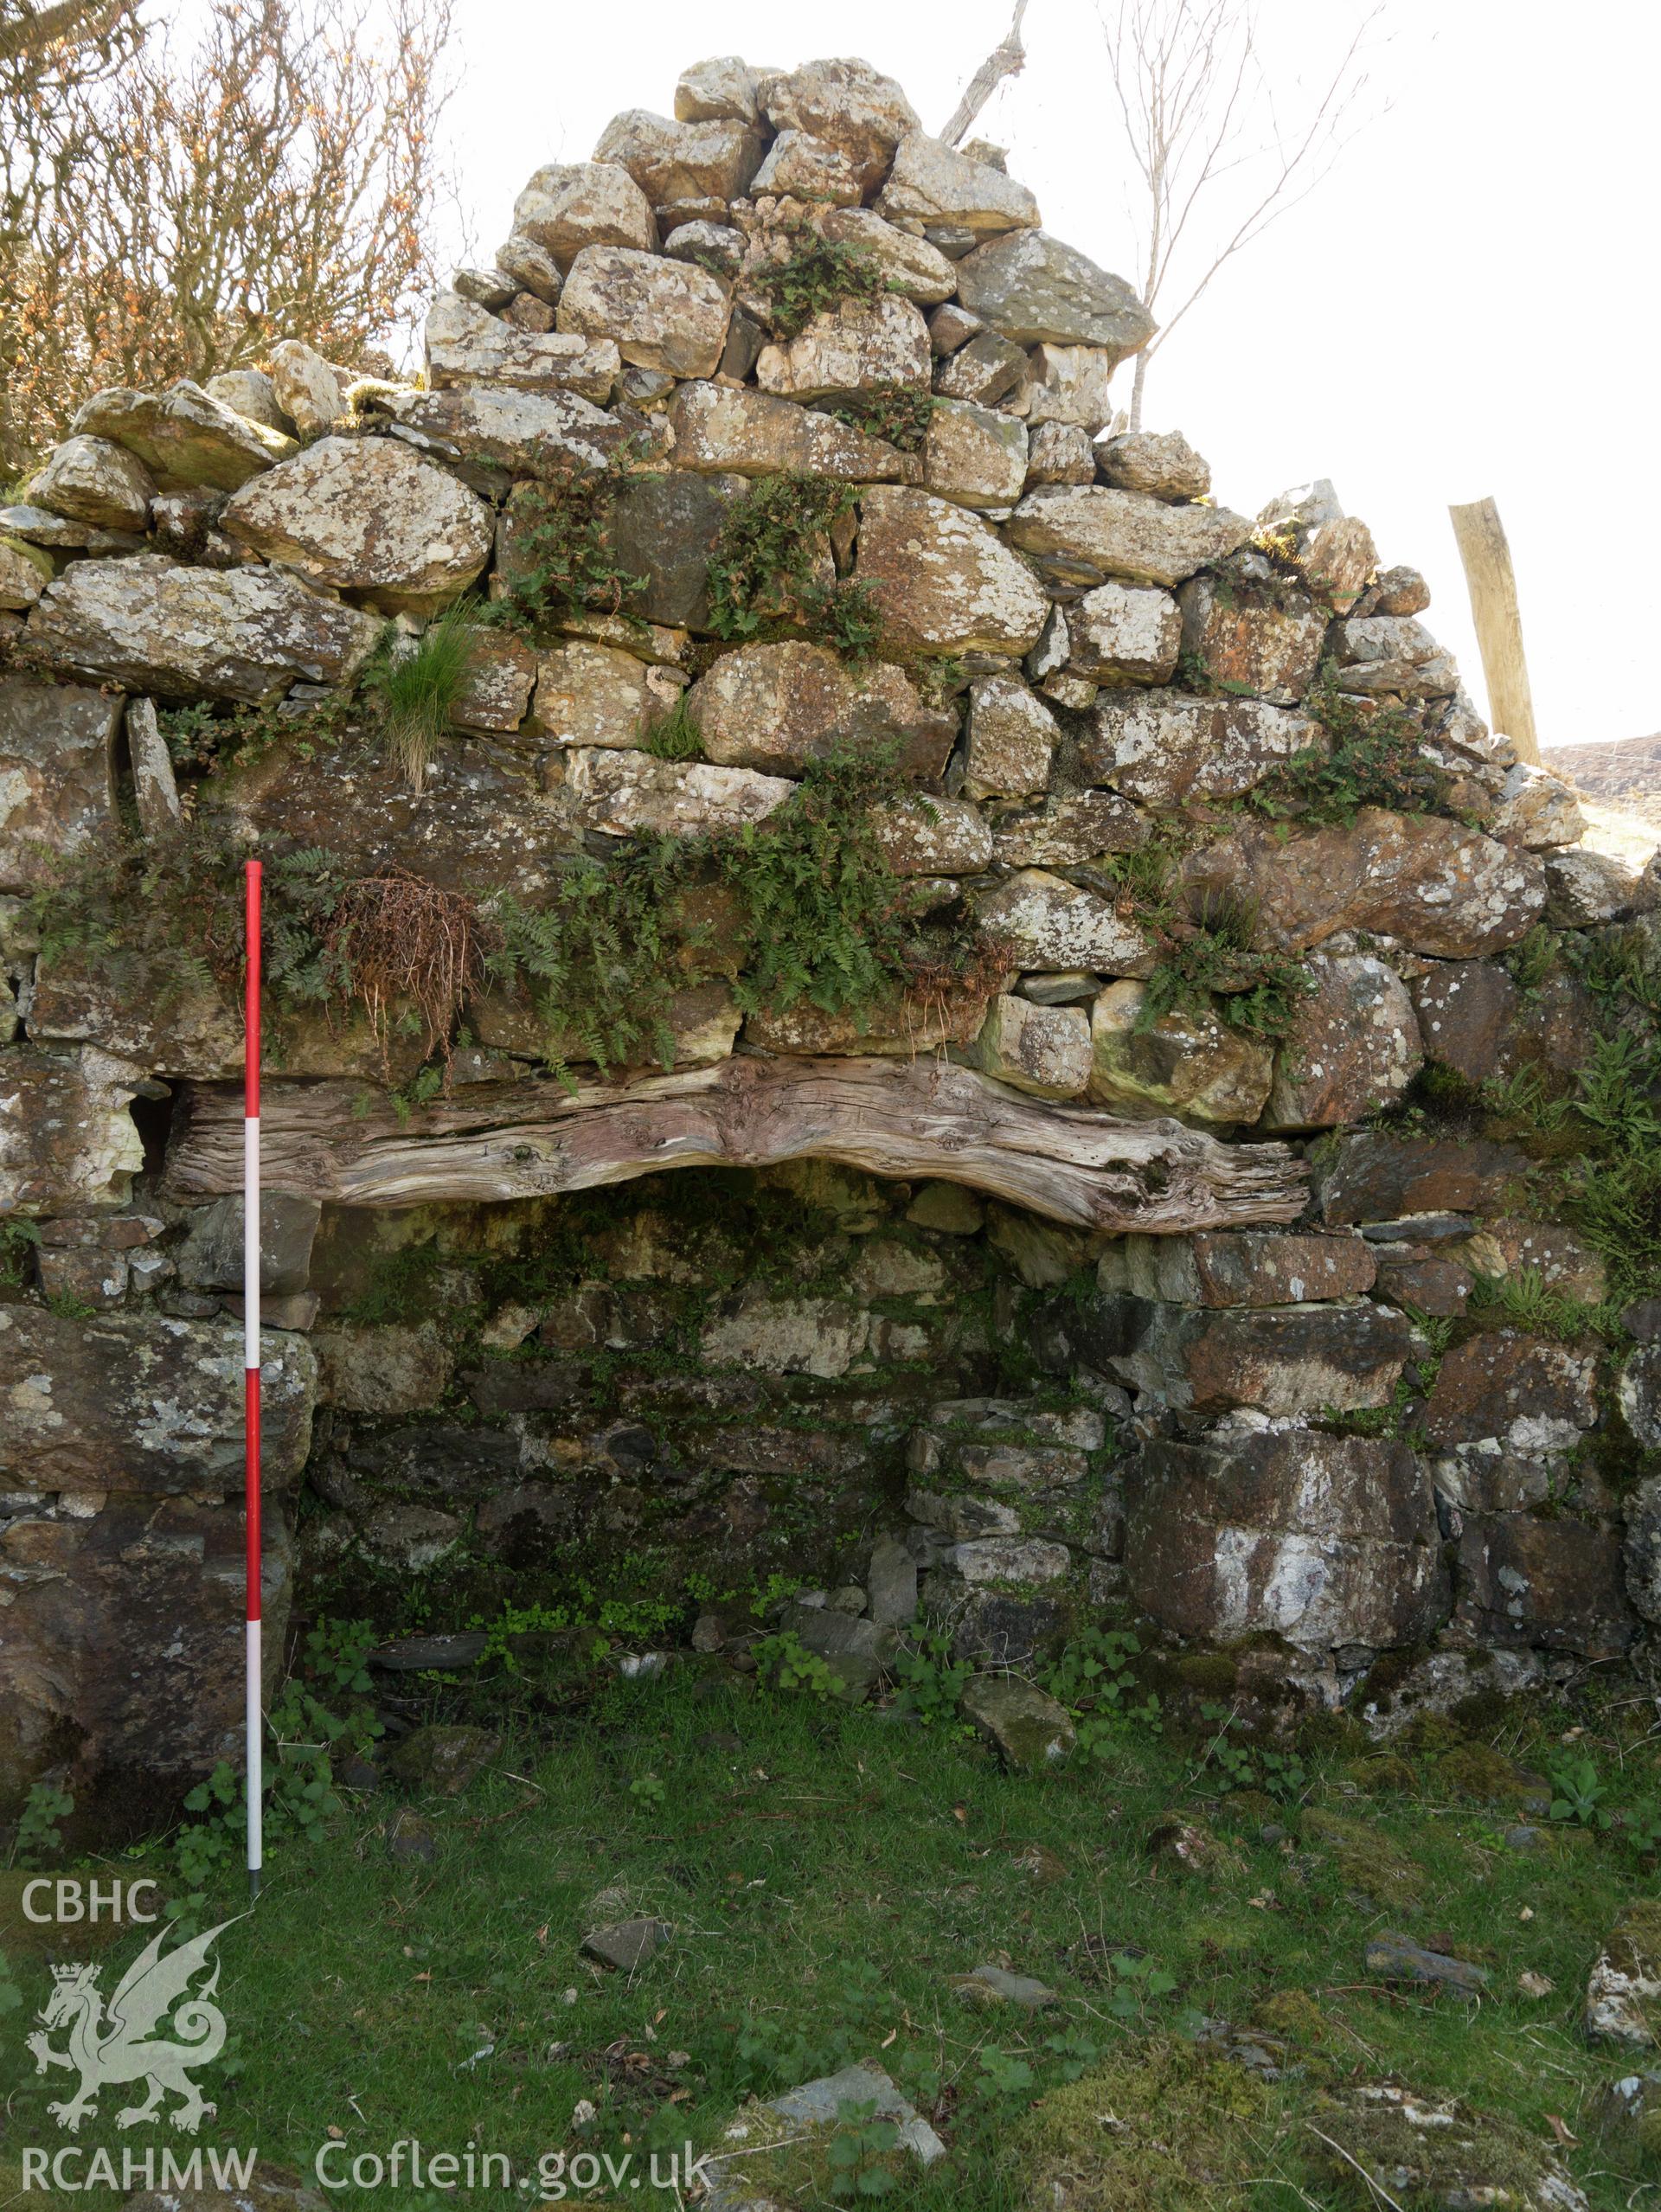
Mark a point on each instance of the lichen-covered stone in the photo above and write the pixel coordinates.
(674, 163)
(1338, 562)
(932, 836)
(25, 572)
(147, 1013)
(1542, 1584)
(1238, 1267)
(1351, 1049)
(718, 247)
(57, 776)
(1189, 1064)
(139, 1402)
(1043, 1049)
(944, 579)
(1070, 385)
(781, 706)
(1163, 748)
(847, 104)
(786, 1336)
(467, 345)
(974, 455)
(852, 347)
(1243, 643)
(1537, 811)
(662, 531)
(123, 1649)
(184, 437)
(305, 388)
(1161, 463)
(1076, 827)
(1323, 1540)
(1474, 1019)
(986, 370)
(620, 794)
(911, 265)
(1584, 887)
(933, 182)
(1084, 534)
(726, 428)
(666, 315)
(1622, 1994)
(549, 434)
(1011, 740)
(250, 392)
(589, 694)
(1432, 883)
(1032, 1730)
(1125, 633)
(1048, 922)
(1374, 1176)
(804, 167)
(569, 205)
(93, 480)
(1382, 656)
(1060, 452)
(67, 1142)
(367, 516)
(1524, 1393)
(1038, 291)
(721, 90)
(902, 1027)
(151, 625)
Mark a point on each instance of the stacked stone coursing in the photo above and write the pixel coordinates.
(1079, 650)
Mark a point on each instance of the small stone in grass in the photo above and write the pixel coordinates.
(627, 1945)
(1397, 1958)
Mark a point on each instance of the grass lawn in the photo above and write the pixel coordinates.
(829, 1871)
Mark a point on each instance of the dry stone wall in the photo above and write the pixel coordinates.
(775, 457)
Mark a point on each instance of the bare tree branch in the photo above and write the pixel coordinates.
(34, 34)
(275, 180)
(1007, 59)
(1197, 108)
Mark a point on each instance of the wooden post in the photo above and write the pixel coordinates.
(1491, 582)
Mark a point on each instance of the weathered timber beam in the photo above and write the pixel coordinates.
(898, 1118)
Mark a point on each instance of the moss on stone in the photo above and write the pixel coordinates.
(1166, 2128)
(1419, 2151)
(1367, 1861)
(1293, 2015)
(1383, 1774)
(1478, 1770)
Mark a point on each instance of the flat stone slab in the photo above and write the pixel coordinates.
(1397, 1958)
(996, 1985)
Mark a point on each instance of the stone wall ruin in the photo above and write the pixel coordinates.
(1193, 1228)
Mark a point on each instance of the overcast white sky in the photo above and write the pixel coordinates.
(1467, 306)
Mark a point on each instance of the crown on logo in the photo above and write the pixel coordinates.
(64, 1975)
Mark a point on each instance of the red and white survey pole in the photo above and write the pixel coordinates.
(255, 1725)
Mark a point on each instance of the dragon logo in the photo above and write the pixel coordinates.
(117, 2044)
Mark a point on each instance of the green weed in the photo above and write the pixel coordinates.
(675, 736)
(896, 412)
(19, 1237)
(418, 691)
(562, 555)
(39, 1837)
(763, 571)
(1376, 758)
(816, 277)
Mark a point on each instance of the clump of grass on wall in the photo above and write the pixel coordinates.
(418, 691)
